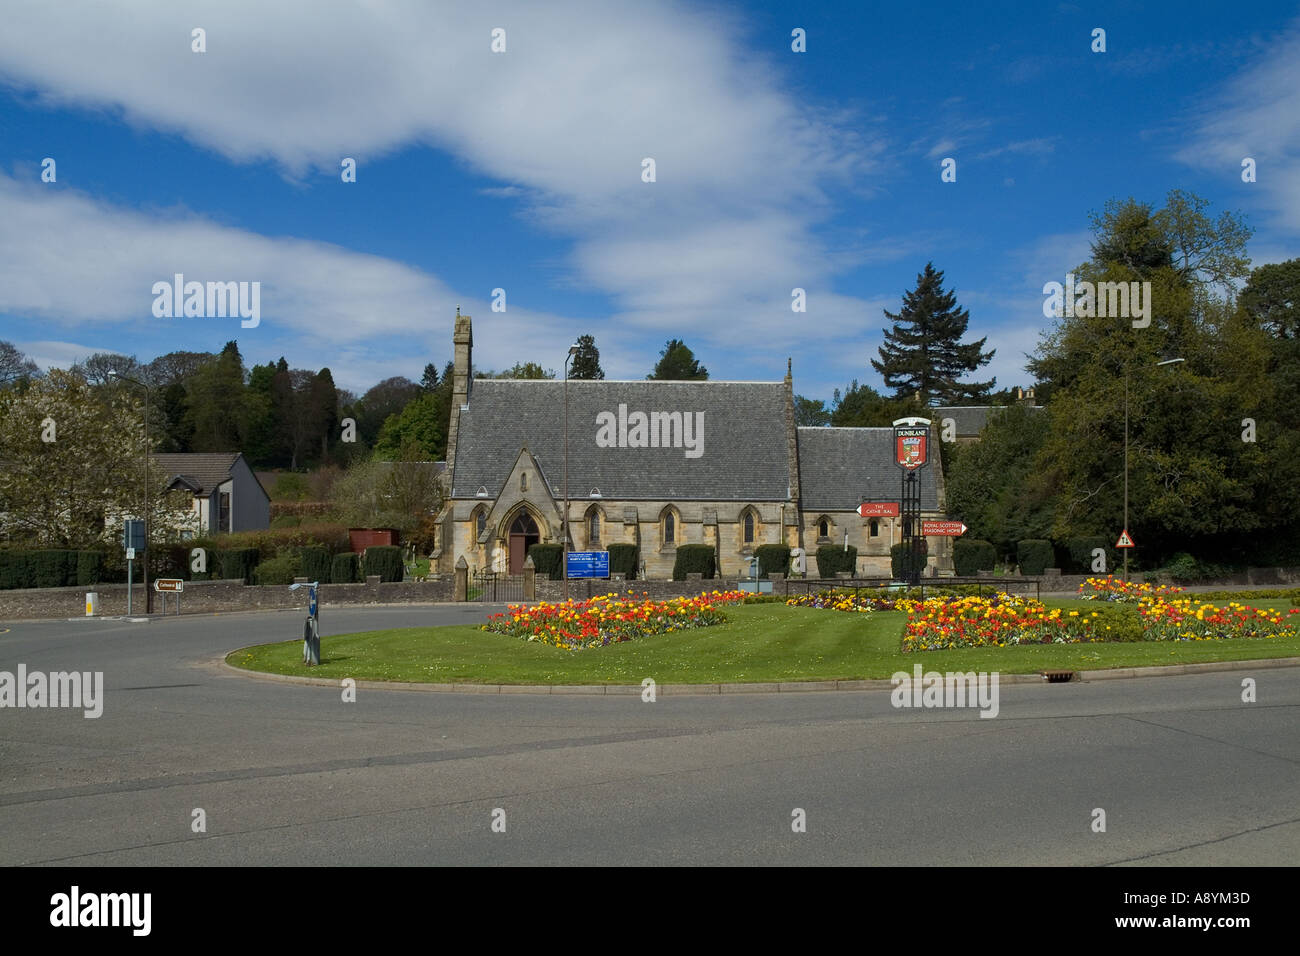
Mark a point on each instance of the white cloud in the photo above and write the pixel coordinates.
(561, 121)
(1257, 115)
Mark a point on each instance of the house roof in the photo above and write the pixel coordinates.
(839, 467)
(969, 419)
(745, 454)
(200, 471)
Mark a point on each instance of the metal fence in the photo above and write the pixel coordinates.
(982, 585)
(492, 587)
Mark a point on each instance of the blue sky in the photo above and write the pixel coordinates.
(522, 170)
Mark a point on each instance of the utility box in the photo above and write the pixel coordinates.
(92, 603)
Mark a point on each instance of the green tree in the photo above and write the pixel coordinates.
(861, 406)
(400, 494)
(995, 486)
(15, 367)
(1272, 298)
(429, 380)
(810, 413)
(528, 370)
(218, 411)
(586, 364)
(420, 429)
(677, 363)
(923, 353)
(74, 463)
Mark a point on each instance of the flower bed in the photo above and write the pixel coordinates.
(610, 619)
(1111, 588)
(940, 624)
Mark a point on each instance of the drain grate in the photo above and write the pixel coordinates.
(1059, 677)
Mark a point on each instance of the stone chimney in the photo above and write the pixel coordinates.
(462, 381)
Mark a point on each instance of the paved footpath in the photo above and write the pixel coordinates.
(290, 774)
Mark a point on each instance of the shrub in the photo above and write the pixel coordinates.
(832, 558)
(548, 560)
(384, 560)
(972, 556)
(897, 556)
(624, 559)
(772, 559)
(16, 570)
(290, 486)
(286, 521)
(1034, 555)
(1124, 621)
(694, 558)
(272, 542)
(53, 568)
(281, 570)
(89, 564)
(235, 563)
(1076, 555)
(345, 569)
(315, 564)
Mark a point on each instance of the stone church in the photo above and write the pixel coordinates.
(661, 464)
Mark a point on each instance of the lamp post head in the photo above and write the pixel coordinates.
(1172, 361)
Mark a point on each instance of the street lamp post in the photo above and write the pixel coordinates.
(573, 350)
(148, 595)
(1173, 361)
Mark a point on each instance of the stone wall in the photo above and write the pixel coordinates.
(209, 596)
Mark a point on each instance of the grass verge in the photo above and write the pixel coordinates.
(760, 643)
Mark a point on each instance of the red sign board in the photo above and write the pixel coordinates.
(878, 509)
(951, 529)
(910, 446)
(1124, 540)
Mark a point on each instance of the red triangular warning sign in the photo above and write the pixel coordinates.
(1124, 540)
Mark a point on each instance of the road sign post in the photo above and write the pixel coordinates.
(311, 628)
(165, 586)
(912, 453)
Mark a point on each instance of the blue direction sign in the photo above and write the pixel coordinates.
(588, 564)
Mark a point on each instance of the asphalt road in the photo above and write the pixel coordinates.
(289, 774)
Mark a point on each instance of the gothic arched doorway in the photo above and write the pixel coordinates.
(523, 535)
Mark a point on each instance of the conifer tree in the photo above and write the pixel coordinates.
(586, 364)
(923, 352)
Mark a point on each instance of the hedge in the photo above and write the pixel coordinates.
(896, 558)
(345, 569)
(548, 560)
(832, 558)
(89, 566)
(772, 559)
(1076, 554)
(281, 570)
(15, 570)
(315, 564)
(624, 559)
(234, 563)
(694, 558)
(384, 560)
(1034, 555)
(972, 556)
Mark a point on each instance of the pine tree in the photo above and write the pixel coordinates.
(923, 352)
(677, 363)
(586, 364)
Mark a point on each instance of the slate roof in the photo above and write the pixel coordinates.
(745, 454)
(838, 467)
(202, 471)
(969, 419)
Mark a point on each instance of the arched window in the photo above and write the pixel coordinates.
(670, 528)
(593, 526)
(875, 528)
(523, 481)
(480, 522)
(749, 527)
(524, 524)
(824, 529)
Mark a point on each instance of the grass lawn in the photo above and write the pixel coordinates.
(764, 642)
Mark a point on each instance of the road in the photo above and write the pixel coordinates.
(290, 774)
